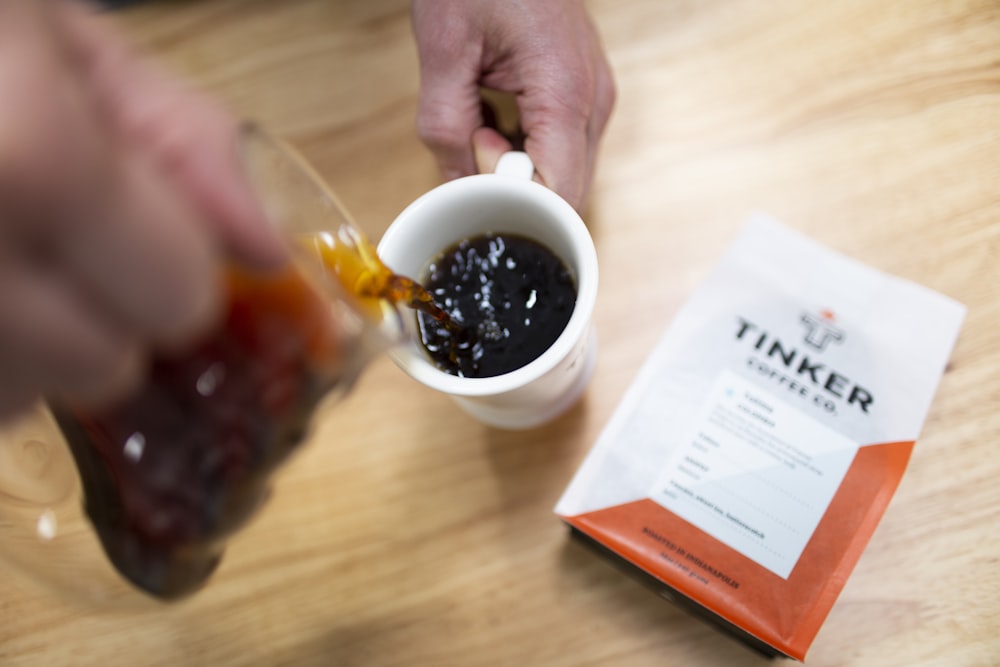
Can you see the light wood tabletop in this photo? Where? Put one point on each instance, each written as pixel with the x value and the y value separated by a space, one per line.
pixel 405 533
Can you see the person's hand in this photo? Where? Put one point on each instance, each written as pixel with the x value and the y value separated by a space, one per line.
pixel 120 193
pixel 546 52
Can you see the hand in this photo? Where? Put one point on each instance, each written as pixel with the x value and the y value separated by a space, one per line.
pixel 546 52
pixel 120 192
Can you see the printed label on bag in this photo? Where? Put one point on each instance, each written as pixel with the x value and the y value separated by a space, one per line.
pixel 755 473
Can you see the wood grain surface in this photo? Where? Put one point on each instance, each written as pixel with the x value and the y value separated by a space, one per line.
pixel 406 534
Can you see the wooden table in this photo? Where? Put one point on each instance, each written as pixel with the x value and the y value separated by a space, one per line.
pixel 407 534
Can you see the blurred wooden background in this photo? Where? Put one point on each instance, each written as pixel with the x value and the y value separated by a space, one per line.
pixel 407 534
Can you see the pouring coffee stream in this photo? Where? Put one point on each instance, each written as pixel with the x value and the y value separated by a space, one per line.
pixel 367 277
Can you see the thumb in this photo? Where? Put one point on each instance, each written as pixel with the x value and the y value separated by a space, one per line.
pixel 488 145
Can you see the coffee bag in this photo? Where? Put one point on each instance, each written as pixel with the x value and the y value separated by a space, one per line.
pixel 750 461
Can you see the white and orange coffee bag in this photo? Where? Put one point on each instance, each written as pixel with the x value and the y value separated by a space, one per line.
pixel 750 461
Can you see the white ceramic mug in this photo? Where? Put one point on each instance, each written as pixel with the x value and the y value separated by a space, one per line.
pixel 507 200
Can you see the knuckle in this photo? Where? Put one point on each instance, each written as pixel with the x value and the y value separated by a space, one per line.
pixel 435 129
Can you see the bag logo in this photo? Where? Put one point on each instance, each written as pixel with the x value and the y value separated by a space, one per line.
pixel 820 330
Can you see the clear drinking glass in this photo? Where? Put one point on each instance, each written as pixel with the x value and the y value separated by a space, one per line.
pixel 135 503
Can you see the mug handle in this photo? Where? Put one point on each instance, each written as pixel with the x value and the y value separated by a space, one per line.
pixel 515 164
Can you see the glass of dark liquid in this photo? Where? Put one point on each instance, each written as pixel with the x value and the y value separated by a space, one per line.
pixel 514 267
pixel 142 496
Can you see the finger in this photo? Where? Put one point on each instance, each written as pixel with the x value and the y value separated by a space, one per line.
pixel 447 115
pixel 53 344
pixel 605 96
pixel 449 105
pixel 196 146
pixel 565 110
pixel 142 255
pixel 557 141
pixel 192 140
pixel 48 136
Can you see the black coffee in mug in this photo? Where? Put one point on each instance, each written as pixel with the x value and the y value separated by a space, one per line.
pixel 509 298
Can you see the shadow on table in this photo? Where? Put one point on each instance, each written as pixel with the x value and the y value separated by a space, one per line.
pixel 646 618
